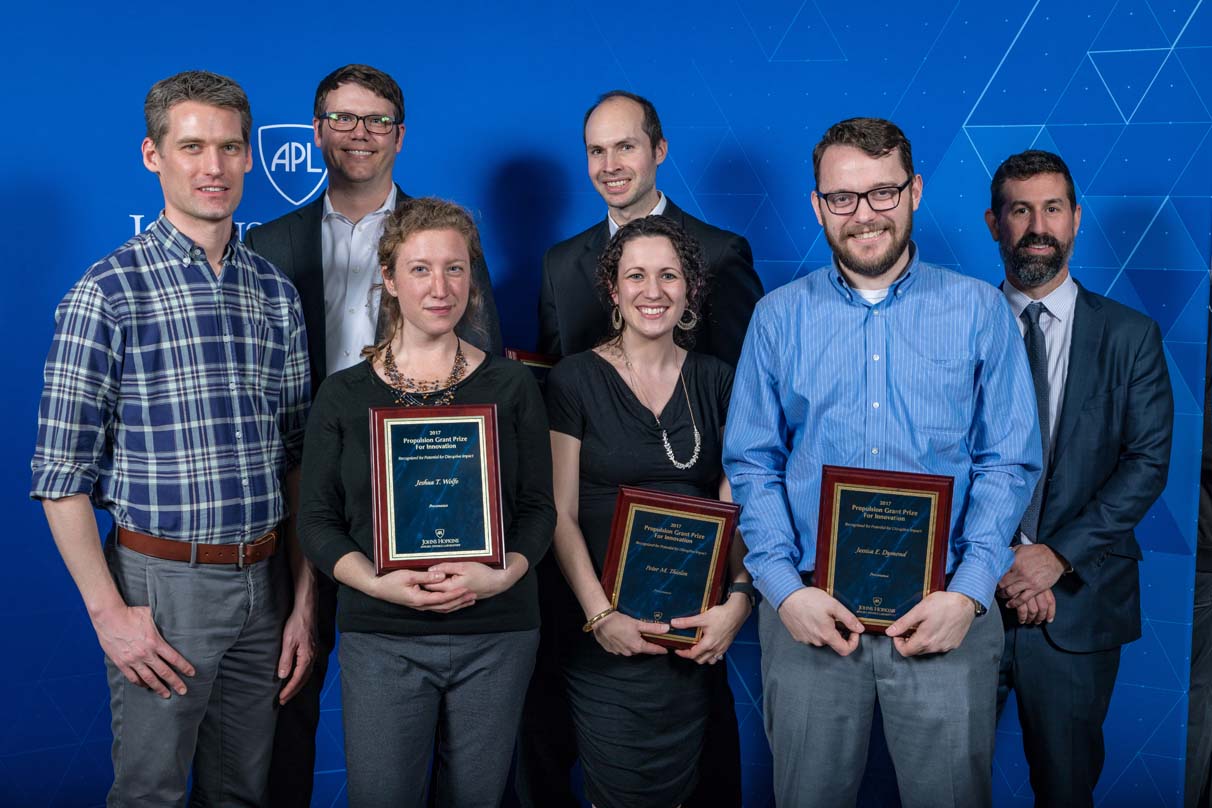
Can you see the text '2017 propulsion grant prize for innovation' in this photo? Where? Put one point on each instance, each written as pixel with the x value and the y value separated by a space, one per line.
pixel 881 542
pixel 667 557
pixel 436 488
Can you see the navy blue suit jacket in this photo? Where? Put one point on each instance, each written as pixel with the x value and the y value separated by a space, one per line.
pixel 1109 464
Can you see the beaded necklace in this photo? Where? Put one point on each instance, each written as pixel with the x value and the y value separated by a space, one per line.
pixel 698 441
pixel 413 393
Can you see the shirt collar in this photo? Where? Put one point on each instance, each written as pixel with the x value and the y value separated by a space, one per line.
pixel 181 246
pixel 389 204
pixel 898 287
pixel 1059 302
pixel 657 210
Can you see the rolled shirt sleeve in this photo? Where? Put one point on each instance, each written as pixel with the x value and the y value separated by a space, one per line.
pixel 79 392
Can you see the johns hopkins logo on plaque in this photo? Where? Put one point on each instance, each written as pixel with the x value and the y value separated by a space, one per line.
pixel 291 161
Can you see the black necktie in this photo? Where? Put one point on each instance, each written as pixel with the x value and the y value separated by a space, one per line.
pixel 1037 356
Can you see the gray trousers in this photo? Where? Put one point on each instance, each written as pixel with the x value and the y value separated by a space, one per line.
pixel 939 716
pixel 227 623
pixel 399 692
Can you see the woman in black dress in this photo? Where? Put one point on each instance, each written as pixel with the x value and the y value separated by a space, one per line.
pixel 450 648
pixel 639 410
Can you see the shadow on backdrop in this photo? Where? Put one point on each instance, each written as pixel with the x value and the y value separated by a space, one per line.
pixel 520 221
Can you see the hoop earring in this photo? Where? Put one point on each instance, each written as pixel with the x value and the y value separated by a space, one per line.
pixel 616 319
pixel 688 325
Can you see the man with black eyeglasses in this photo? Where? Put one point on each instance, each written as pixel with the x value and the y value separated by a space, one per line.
pixel 879 362
pixel 329 248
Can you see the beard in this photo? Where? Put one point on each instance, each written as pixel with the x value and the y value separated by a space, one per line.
pixel 1035 270
pixel 876 266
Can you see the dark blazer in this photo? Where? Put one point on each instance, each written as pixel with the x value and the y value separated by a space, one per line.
pixel 293 244
pixel 1110 462
pixel 573 317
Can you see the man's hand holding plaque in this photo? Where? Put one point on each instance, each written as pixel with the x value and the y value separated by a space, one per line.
pixel 882 550
pixel 936 625
pixel 814 617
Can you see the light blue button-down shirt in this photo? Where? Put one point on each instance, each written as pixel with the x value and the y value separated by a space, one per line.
pixel 933 379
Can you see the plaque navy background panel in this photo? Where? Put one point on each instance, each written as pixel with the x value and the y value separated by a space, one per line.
pixel 495 94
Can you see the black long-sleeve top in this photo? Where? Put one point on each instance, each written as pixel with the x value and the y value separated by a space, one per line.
pixel 335 516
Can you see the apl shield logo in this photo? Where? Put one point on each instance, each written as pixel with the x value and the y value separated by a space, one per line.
pixel 294 169
pixel 440 532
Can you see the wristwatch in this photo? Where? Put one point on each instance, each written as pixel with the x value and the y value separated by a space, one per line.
pixel 747 589
pixel 980 607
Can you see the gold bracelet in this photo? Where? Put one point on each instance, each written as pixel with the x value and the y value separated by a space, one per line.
pixel 597 618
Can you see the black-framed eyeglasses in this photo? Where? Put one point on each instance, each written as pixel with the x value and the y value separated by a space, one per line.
pixel 347 122
pixel 886 197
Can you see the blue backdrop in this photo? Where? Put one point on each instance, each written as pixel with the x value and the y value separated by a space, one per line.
pixel 495 94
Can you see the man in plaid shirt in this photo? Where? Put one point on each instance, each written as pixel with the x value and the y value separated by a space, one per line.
pixel 175 395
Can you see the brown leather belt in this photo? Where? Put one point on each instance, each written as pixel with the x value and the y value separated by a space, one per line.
pixel 193 552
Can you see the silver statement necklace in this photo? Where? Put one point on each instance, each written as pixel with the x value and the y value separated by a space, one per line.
pixel 698 440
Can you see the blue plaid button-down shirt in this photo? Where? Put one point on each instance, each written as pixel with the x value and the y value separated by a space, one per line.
pixel 175 398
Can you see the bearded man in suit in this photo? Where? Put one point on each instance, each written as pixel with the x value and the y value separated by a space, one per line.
pixel 1072 598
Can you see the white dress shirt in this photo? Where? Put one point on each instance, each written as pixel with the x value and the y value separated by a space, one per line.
pixel 351 270
pixel 1057 324
pixel 657 210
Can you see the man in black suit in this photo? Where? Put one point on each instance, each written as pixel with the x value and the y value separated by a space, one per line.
pixel 624 146
pixel 1072 598
pixel 329 249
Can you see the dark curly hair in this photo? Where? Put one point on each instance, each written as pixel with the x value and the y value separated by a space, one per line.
pixel 690 255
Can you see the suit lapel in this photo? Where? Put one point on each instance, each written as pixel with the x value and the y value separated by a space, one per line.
pixel 594 245
pixel 674 214
pixel 308 262
pixel 1082 380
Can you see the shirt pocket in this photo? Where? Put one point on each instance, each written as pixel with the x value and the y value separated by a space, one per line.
pixel 934 393
pixel 267 358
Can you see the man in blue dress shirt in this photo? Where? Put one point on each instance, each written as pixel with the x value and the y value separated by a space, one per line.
pixel 880 361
